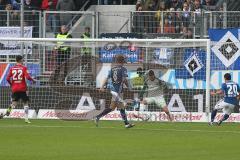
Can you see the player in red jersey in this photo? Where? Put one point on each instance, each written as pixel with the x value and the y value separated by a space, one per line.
pixel 16 77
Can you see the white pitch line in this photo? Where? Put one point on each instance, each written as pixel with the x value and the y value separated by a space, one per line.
pixel 144 129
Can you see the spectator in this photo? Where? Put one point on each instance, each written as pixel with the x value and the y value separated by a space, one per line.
pixel 14 16
pixel 197 7
pixel 209 2
pixel 139 6
pixel 158 16
pixel 168 26
pixel 149 18
pixel 178 23
pixel 138 19
pixel 156 4
pixel 197 11
pixel 209 5
pixel 190 4
pixel 16 4
pixel 3 15
pixel 50 5
pixel 186 14
pixel 186 7
pixel 65 5
pixel 86 35
pixel 8 9
pixel 186 33
pixel 149 5
pixel 37 4
pixel 3 4
pixel 86 51
pixel 168 4
pixel 171 19
pixel 63 53
pixel 31 17
pixel 176 4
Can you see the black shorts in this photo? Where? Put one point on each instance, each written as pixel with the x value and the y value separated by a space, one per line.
pixel 20 95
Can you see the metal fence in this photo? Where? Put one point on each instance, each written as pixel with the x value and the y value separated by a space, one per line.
pixel 11 18
pixel 150 24
pixel 76 21
pixel 175 24
pixel 180 24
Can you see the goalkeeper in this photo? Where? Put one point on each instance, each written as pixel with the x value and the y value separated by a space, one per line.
pixel 154 89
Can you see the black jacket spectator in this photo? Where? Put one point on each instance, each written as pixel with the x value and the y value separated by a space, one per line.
pixel 3 4
pixel 65 5
pixel 209 2
pixel 3 15
pixel 31 17
pixel 176 4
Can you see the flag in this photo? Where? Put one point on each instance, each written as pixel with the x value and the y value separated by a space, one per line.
pixel 225 49
pixel 194 65
pixel 162 56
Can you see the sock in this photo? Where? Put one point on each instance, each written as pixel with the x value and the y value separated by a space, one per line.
pixel 26 112
pixel 169 116
pixel 8 111
pixel 225 117
pixel 104 112
pixel 124 116
pixel 213 115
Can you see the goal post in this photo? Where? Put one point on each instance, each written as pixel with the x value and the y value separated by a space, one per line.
pixel 208 79
pixel 70 72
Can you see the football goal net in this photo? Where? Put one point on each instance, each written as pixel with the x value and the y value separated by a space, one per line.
pixel 177 73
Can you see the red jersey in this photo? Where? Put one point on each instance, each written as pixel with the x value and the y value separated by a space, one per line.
pixel 16 78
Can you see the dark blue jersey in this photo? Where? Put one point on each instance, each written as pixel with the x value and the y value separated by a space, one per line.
pixel 231 91
pixel 117 75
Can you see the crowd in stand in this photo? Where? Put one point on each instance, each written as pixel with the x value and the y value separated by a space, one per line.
pixel 171 16
pixel 31 16
pixel 37 5
pixel 193 5
pixel 31 6
pixel 70 5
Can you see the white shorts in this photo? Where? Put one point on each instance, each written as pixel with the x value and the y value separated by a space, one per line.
pixel 227 108
pixel 117 97
pixel 159 101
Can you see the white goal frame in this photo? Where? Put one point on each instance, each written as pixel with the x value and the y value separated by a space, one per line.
pixel 146 41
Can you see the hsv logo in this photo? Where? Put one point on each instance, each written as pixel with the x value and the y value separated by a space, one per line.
pixel 193 64
pixel 227 49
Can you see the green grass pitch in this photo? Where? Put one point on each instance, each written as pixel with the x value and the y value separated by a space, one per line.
pixel 81 140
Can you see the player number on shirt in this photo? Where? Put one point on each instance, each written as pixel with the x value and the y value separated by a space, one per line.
pixel 115 76
pixel 232 90
pixel 17 74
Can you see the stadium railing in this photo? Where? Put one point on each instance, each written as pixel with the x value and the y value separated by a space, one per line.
pixel 178 24
pixel 31 18
pixel 76 21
